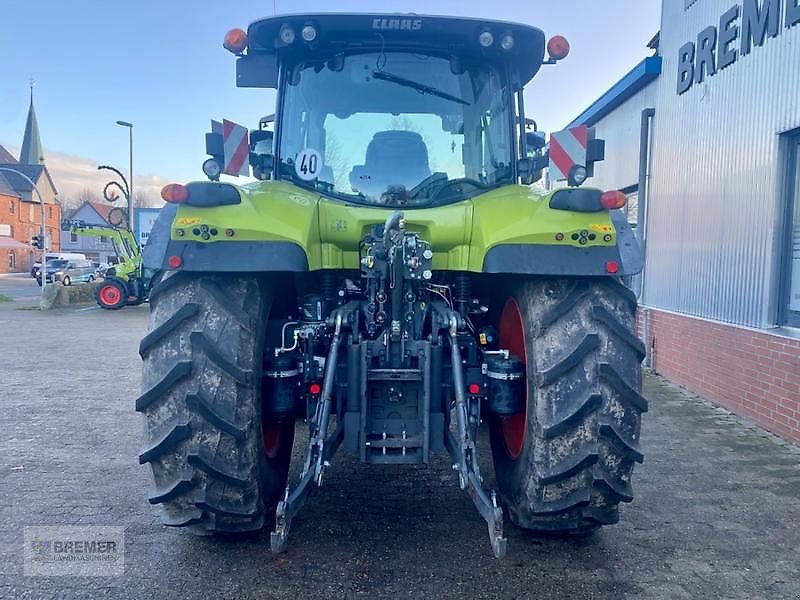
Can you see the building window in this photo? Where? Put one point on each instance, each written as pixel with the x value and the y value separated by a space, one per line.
pixel 73 238
pixel 103 239
pixel 790 314
pixel 11 207
pixel 49 212
pixel 12 260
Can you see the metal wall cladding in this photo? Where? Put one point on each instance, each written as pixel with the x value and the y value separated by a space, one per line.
pixel 716 201
pixel 620 129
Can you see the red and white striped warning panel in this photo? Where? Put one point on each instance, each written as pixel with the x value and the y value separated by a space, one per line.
pixel 235 139
pixel 567 149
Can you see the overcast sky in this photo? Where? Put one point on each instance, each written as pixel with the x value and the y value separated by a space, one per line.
pixel 160 64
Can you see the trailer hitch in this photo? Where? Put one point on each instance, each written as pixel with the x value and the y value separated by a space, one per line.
pixel 464 453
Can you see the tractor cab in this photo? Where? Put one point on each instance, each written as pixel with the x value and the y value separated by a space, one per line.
pixel 394 110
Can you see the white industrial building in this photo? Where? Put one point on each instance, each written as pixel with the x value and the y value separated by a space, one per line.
pixel 705 134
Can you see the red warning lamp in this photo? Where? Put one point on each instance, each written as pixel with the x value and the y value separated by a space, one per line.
pixel 612 267
pixel 558 47
pixel 235 41
pixel 314 389
pixel 175 193
pixel 175 262
pixel 474 389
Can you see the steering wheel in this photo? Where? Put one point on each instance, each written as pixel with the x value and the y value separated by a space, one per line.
pixel 432 180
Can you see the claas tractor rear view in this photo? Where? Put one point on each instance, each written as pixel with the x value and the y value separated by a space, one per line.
pixel 393 281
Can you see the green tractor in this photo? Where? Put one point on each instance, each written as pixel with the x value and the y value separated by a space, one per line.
pixel 126 283
pixel 394 281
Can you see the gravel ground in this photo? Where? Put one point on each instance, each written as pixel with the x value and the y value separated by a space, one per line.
pixel 716 513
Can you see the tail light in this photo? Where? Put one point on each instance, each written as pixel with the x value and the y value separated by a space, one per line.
pixel 175 193
pixel 613 199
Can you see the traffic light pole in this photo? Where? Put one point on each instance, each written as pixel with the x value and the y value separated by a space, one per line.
pixel 43 270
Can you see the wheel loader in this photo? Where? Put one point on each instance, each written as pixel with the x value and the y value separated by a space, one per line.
pixel 126 283
pixel 393 281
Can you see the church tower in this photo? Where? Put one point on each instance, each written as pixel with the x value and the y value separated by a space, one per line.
pixel 31 152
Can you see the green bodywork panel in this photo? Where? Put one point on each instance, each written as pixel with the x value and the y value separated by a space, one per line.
pixel 329 230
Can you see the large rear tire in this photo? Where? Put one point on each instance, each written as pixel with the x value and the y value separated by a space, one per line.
pixel 565 463
pixel 201 399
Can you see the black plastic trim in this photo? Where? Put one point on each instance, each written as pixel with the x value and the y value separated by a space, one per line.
pixel 577 199
pixel 212 193
pixel 237 256
pixel 538 259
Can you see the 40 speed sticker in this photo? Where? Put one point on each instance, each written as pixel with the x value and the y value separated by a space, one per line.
pixel 308 164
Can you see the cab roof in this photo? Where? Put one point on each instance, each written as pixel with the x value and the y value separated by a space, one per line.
pixel 458 36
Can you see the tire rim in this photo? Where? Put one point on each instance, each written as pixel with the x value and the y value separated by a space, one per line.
pixel 512 337
pixel 110 295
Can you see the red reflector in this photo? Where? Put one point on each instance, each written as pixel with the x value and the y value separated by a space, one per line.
pixel 314 389
pixel 558 47
pixel 613 199
pixel 235 41
pixel 175 193
pixel 474 388
pixel 612 266
pixel 175 262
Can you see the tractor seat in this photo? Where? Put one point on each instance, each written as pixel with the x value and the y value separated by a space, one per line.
pixel 393 158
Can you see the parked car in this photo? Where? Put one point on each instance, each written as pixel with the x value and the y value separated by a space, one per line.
pixel 56 256
pixel 68 271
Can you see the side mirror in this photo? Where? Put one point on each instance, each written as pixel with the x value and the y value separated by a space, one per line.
pixel 534 141
pixel 261 141
pixel 261 158
pixel 531 165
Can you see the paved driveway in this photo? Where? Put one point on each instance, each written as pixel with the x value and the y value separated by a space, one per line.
pixel 717 513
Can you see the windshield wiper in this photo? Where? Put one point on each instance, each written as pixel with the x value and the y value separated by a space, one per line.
pixel 420 87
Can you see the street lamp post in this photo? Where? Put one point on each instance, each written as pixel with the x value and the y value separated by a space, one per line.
pixel 131 217
pixel 43 269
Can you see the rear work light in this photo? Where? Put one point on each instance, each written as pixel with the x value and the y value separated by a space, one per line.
pixel 613 199
pixel 286 34
pixel 175 193
pixel 486 38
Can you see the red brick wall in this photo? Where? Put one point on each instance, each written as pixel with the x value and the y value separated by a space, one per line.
pixel 752 373
pixel 17 213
